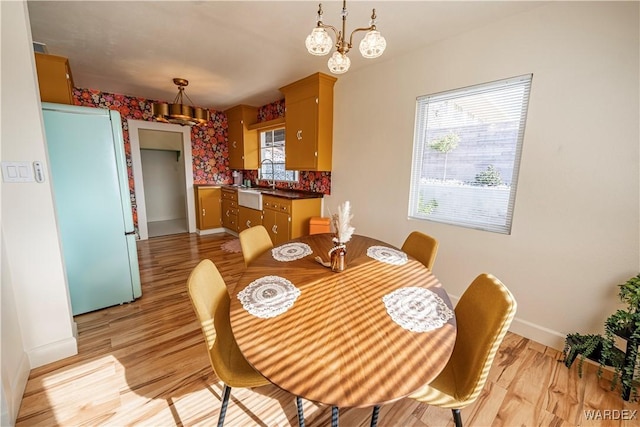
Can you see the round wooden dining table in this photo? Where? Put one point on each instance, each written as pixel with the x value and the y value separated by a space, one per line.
pixel 337 343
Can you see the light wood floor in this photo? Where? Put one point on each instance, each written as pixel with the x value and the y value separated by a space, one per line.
pixel 145 363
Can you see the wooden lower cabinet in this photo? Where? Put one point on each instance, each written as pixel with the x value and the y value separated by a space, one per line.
pixel 248 218
pixel 287 219
pixel 230 209
pixel 207 207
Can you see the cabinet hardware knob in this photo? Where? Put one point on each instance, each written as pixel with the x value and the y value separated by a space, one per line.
pixel 248 224
pixel 234 144
pixel 274 229
pixel 204 212
pixel 227 213
pixel 299 135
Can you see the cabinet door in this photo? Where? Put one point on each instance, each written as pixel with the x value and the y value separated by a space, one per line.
pixel 248 218
pixel 269 222
pixel 301 134
pixel 54 79
pixel 236 145
pixel 209 208
pixel 230 214
pixel 243 143
pixel 277 224
pixel 282 232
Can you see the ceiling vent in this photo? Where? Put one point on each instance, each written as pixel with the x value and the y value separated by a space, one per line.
pixel 40 47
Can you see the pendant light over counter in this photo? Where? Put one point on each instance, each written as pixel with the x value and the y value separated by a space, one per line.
pixel 178 112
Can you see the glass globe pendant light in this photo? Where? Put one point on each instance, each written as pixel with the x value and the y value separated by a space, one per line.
pixel 319 42
pixel 373 44
pixel 339 63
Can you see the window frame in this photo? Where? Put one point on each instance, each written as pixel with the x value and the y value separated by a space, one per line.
pixel 423 210
pixel 264 169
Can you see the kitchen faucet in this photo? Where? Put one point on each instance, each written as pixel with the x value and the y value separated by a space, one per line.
pixel 273 173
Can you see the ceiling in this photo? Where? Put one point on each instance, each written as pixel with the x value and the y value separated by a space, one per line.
pixel 232 52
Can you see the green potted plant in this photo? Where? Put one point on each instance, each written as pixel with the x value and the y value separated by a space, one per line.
pixel 602 349
pixel 625 324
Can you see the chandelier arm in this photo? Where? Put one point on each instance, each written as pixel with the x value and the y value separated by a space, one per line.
pixel 192 104
pixel 178 98
pixel 335 30
pixel 371 27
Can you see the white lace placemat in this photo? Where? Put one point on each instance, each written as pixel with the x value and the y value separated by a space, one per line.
pixel 268 296
pixel 291 251
pixel 387 255
pixel 417 309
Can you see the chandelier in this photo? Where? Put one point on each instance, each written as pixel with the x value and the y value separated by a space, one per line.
pixel 319 43
pixel 177 112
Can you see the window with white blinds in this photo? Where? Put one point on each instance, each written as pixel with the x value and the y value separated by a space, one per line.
pixel 466 154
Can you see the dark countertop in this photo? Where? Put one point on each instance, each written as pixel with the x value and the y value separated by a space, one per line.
pixel 286 194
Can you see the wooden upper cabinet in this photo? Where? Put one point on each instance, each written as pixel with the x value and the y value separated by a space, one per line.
pixel 243 142
pixel 309 123
pixel 54 79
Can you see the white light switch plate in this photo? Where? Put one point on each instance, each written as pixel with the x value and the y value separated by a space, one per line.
pixel 17 172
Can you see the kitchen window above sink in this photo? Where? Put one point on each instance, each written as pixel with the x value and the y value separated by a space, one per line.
pixel 272 156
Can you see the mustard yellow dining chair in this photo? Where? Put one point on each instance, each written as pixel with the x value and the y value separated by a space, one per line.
pixel 210 299
pixel 422 247
pixel 483 315
pixel 254 242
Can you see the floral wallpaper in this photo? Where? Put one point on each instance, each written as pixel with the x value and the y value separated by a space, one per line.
pixel 271 111
pixel 209 145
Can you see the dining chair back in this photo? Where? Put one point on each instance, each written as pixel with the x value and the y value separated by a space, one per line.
pixel 210 300
pixel 254 242
pixel 483 316
pixel 422 247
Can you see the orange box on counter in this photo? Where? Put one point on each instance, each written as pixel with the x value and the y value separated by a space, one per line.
pixel 319 225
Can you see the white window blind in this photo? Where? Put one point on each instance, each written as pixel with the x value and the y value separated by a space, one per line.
pixel 272 149
pixel 466 154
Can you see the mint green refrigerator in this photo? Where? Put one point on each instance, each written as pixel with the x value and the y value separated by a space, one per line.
pixel 93 206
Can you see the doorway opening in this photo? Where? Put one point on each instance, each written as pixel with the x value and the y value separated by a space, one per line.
pixel 163 178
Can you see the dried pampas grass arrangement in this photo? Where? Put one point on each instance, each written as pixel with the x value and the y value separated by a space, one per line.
pixel 342 223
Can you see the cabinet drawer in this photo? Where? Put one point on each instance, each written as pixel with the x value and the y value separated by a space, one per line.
pixel 285 206
pixel 229 195
pixel 276 204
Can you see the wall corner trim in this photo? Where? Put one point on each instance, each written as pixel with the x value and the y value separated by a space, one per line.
pixel 52 352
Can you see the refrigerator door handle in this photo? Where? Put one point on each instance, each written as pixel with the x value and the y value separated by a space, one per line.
pixel 129 233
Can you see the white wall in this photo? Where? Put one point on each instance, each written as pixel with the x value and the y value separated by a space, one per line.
pixel 576 224
pixel 35 300
pixel 164 187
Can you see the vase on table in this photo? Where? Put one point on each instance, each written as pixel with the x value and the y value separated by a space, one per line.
pixel 337 255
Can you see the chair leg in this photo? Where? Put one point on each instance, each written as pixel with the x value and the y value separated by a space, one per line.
pixel 374 416
pixel 226 391
pixel 300 411
pixel 457 419
pixel 334 416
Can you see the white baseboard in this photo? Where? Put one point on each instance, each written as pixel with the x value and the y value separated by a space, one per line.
pixel 210 231
pixel 13 396
pixel 548 337
pixel 52 352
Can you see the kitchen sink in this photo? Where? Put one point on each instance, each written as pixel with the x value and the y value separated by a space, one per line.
pixel 250 198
